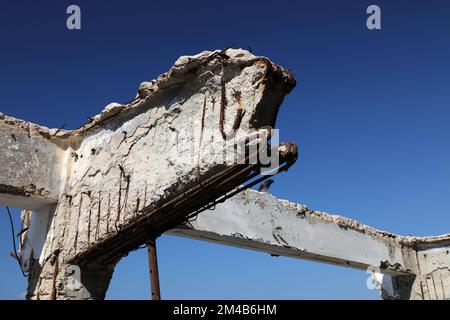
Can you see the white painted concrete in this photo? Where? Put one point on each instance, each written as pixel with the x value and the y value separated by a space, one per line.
pixel 259 221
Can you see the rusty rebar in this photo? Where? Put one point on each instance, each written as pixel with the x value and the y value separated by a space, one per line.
pixel 153 268
pixel 157 219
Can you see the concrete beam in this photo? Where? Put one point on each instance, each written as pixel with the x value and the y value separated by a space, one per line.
pixel 32 240
pixel 403 267
pixel 259 221
pixel 32 160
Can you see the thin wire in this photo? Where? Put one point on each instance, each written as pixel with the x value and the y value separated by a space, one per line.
pixel 14 242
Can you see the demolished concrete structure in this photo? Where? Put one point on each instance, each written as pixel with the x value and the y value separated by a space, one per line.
pixel 135 170
pixel 142 168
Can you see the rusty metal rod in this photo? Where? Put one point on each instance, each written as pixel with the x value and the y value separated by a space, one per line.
pixel 158 219
pixel 153 268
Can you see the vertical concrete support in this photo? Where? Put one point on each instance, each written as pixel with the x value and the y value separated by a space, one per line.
pixel 433 262
pixel 56 279
pixel 32 159
pixel 36 225
pixel 432 273
pixel 52 277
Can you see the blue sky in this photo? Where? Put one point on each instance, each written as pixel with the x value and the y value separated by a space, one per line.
pixel 370 114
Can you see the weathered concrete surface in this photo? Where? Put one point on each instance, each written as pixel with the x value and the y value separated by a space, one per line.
pixel 111 177
pixel 32 161
pixel 257 220
pixel 413 268
pixel 93 192
pixel 433 279
pixel 32 240
pixel 432 276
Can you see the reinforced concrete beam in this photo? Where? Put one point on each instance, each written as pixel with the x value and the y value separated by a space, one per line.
pixel 259 221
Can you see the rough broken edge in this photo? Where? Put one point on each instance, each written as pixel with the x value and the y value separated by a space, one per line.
pixel 180 72
pixel 416 243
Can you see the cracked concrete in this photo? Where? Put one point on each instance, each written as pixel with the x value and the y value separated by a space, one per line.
pixel 280 227
pixel 409 267
pixel 110 178
pixel 94 193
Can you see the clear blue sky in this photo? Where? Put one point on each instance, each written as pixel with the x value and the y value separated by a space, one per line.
pixel 370 115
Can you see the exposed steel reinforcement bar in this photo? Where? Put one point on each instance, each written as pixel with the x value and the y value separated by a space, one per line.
pixel 172 212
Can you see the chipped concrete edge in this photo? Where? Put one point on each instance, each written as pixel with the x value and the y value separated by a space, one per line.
pixel 179 73
pixel 413 242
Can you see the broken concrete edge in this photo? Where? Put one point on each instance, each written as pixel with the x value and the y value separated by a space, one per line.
pixel 60 140
pixel 260 221
pixel 401 267
pixel 416 243
pixel 30 128
pixel 26 191
pixel 184 69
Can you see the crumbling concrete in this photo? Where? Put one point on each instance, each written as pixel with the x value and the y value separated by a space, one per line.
pixel 260 221
pixel 139 169
pixel 411 267
pixel 433 277
pixel 136 168
pixel 32 164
